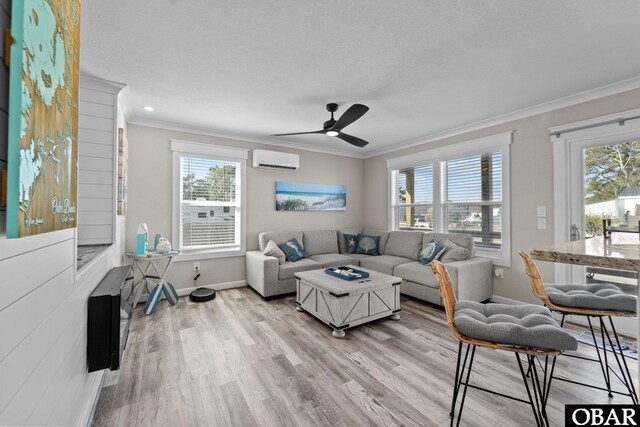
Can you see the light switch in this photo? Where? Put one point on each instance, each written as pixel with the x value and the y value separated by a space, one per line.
pixel 542 212
pixel 542 223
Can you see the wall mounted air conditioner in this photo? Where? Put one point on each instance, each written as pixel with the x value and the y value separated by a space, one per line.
pixel 275 160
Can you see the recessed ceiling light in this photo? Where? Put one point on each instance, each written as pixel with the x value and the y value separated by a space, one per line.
pixel 148 108
pixel 332 133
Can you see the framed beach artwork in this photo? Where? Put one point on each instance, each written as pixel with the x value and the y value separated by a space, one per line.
pixel 43 117
pixel 292 196
pixel 123 161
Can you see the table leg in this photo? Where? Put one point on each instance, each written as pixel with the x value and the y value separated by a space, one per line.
pixel 339 334
pixel 153 300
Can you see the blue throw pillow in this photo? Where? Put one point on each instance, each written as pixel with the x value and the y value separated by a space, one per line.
pixel 431 252
pixel 352 242
pixel 368 245
pixel 293 250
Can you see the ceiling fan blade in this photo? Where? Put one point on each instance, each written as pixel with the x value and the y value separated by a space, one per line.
pixel 351 115
pixel 297 133
pixel 352 140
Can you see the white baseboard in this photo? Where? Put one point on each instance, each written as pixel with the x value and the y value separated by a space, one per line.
pixel 89 410
pixel 504 300
pixel 217 286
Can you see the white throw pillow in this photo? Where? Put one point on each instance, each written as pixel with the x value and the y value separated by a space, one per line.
pixel 453 252
pixel 272 249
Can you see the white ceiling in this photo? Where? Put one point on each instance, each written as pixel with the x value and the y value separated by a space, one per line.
pixel 253 68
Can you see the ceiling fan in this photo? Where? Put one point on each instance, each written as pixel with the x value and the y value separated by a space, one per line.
pixel 333 127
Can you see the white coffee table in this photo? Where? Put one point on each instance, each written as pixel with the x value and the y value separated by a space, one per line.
pixel 343 304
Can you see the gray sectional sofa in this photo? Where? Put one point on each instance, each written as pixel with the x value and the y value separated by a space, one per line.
pixel 472 277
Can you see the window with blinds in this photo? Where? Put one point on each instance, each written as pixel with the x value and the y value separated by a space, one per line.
pixel 209 206
pixel 473 202
pixel 413 200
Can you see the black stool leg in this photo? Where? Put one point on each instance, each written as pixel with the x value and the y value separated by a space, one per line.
pixel 604 365
pixel 536 414
pixel 626 379
pixel 466 384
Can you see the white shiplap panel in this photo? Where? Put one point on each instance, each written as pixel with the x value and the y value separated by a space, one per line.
pixel 96 191
pixel 95 123
pixel 96 241
pixel 27 272
pixel 96 137
pixel 96 96
pixel 29 370
pixel 16 323
pixel 106 151
pixel 95 164
pixel 95 218
pixel 95 232
pixel 94 204
pixel 10 248
pixel 91 177
pixel 5 22
pixel 4 135
pixel 88 108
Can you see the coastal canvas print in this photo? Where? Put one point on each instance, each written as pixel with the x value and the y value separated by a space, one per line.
pixel 43 117
pixel 292 196
pixel 123 161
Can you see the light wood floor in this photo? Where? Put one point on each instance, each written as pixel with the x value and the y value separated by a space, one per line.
pixel 241 361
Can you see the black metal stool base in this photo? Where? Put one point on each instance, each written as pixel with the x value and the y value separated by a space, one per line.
pixel 537 390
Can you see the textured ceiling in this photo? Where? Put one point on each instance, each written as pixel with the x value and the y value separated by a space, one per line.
pixel 254 68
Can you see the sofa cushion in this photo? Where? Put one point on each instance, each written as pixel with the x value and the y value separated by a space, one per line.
pixel 279 237
pixel 423 275
pixel 384 236
pixel 342 244
pixel 405 244
pixel 523 325
pixel 288 269
pixel 453 252
pixel 430 252
pixel 464 240
pixel 334 260
pixel 318 242
pixel 368 245
pixel 273 250
pixel 383 263
pixel 596 296
pixel 359 257
pixel 293 250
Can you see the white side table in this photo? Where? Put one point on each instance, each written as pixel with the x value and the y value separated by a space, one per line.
pixel 145 265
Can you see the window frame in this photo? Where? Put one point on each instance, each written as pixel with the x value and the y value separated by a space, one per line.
pixel 437 156
pixel 212 152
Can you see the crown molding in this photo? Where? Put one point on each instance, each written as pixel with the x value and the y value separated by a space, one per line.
pixel 545 107
pixel 161 124
pixel 102 85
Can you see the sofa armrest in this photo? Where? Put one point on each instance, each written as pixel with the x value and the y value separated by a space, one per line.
pixel 262 273
pixel 475 278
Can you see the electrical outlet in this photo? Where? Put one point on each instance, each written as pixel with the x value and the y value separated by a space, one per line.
pixel 499 272
pixel 542 223
pixel 196 266
pixel 542 211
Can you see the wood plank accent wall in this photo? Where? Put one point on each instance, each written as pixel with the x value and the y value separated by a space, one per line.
pixel 5 21
pixel 43 309
pixel 97 157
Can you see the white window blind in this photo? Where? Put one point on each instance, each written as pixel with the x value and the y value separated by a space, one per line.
pixel 413 200
pixel 474 198
pixel 208 203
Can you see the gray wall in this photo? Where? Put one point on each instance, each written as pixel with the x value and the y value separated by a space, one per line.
pixel 150 197
pixel 531 181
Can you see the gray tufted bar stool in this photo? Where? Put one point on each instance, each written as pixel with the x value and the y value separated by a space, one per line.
pixel 600 301
pixel 528 331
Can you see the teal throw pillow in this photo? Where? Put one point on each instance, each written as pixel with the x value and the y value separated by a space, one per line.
pixel 431 252
pixel 368 245
pixel 352 242
pixel 293 250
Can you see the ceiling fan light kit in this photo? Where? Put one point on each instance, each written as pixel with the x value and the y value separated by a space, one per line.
pixel 333 127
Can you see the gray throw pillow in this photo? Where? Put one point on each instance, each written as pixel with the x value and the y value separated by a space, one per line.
pixel 453 252
pixel 272 249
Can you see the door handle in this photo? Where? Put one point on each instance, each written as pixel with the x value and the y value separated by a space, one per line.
pixel 574 233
